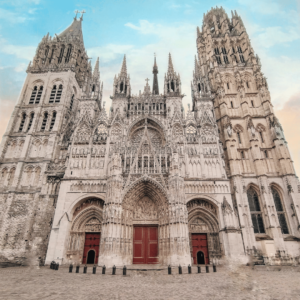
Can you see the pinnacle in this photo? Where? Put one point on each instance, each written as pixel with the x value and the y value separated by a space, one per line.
pixel 96 69
pixel 124 67
pixel 170 67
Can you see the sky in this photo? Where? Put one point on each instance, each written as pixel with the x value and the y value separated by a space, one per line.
pixel 139 28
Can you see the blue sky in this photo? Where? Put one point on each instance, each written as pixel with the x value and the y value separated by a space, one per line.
pixel 140 28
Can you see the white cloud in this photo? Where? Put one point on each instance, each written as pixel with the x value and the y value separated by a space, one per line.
pixel 23 52
pixel 11 17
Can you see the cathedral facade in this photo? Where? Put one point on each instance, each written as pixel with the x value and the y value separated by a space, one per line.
pixel 148 183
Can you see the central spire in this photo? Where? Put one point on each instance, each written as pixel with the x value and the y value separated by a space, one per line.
pixel 155 90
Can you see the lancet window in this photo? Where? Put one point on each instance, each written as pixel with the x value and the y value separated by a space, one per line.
pixel 22 122
pixel 52 121
pixel 280 211
pixel 30 121
pixel 68 54
pixel 44 123
pixel 225 57
pixel 256 214
pixel 61 54
pixel 241 54
pixel 217 54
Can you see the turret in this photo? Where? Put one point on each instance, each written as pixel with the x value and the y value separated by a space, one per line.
pixel 122 82
pixel 172 81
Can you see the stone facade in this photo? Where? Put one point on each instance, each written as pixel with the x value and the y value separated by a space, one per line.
pixel 223 169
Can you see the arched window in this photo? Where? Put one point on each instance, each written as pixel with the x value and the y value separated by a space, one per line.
pixel 30 121
pixel 61 54
pixel 71 102
pixel 199 87
pixel 3 176
pixel 56 94
pixel 255 211
pixel 68 54
pixel 280 211
pixel 51 56
pixel 22 122
pixel 242 155
pixel 44 123
pixel 121 87
pixel 225 57
pixel 172 86
pixel 52 121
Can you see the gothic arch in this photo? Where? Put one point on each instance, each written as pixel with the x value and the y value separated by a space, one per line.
pixel 160 126
pixel 81 199
pixel 238 128
pixel 57 81
pixel 260 127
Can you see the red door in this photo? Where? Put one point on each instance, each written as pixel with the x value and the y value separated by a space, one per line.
pixel 145 245
pixel 92 242
pixel 200 249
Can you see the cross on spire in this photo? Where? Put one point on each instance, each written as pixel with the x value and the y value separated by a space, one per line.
pixel 82 12
pixel 147 80
pixel 76 12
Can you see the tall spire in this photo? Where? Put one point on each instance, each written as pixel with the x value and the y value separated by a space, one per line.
pixel 170 66
pixel 124 67
pixel 155 90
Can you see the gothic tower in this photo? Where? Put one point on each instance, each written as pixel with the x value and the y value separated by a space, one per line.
pixel 258 162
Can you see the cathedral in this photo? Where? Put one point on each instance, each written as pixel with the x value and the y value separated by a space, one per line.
pixel 148 182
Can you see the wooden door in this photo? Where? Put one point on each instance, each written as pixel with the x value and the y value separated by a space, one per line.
pixel 199 243
pixel 92 242
pixel 145 245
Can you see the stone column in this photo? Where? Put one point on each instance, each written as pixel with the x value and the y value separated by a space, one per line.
pixel 110 245
pixel 178 228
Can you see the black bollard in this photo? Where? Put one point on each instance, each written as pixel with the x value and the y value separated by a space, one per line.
pixel 169 270
pixel 190 269
pixel 114 270
pixel 103 269
pixel 207 269
pixel 51 265
pixel 77 269
pixel 214 268
pixel 179 269
pixel 94 269
pixel 124 270
pixel 84 269
pixel 71 268
pixel 199 269
pixel 56 266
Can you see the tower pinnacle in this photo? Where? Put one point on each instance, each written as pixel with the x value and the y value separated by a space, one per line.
pixel 155 89
pixel 124 67
pixel 170 66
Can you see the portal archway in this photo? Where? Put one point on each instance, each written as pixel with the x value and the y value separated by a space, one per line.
pixel 145 214
pixel 203 230
pixel 91 257
pixel 85 230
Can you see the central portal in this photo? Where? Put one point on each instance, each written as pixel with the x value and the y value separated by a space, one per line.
pixel 145 245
